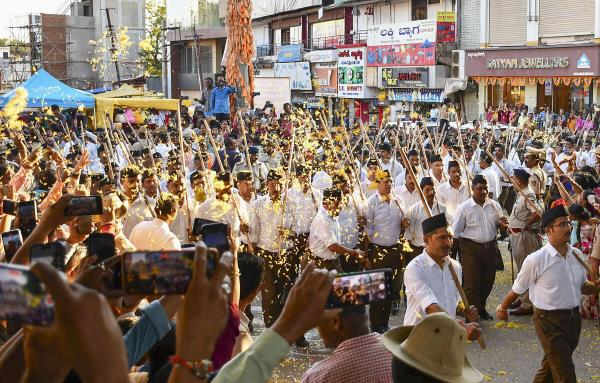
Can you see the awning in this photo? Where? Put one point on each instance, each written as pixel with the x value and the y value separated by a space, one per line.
pixel 106 106
pixel 522 81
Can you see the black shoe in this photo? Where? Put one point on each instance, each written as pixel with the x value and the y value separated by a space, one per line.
pixel 483 314
pixel 395 307
pixel 301 343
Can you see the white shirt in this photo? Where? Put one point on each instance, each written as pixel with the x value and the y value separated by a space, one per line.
pixel 183 222
pixel 393 166
pixel 554 281
pixel 508 167
pixel 383 220
pixel 153 236
pixel 324 232
pixel 475 222
pixel 304 208
pixel 416 215
pixel 321 181
pixel 265 218
pixel 437 182
pixel 349 234
pixel 426 283
pixel 140 210
pixel 366 188
pixel 451 197
pixel 408 198
pixel 219 211
pixel 493 181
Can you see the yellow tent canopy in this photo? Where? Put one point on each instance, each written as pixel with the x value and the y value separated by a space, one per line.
pixel 106 106
pixel 127 90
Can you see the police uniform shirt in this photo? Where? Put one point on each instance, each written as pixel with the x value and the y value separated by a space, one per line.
pixel 523 211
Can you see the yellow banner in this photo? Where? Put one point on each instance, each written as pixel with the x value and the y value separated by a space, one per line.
pixel 446 16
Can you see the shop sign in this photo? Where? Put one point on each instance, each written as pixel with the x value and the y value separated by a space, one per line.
pixel 290 53
pixel 583 62
pixel 326 75
pixel 446 26
pixel 410 32
pixel 547 88
pixel 401 55
pixel 298 73
pixel 416 95
pixel 321 56
pixel 405 77
pixel 351 68
pixel 528 63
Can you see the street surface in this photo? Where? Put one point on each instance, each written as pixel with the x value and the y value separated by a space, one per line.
pixel 513 353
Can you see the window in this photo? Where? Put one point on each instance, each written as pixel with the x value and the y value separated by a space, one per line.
pixel 5 55
pixel 419 9
pixel 325 33
pixel 188 59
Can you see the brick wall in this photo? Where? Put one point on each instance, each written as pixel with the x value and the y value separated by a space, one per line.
pixel 470 25
pixel 54 45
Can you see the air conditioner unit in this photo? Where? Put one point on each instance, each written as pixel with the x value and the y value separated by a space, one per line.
pixel 458 64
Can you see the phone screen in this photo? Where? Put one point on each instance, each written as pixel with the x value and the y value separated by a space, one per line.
pixel 23 297
pixel 11 240
pixel 9 207
pixel 88 205
pixel 27 216
pixel 157 272
pixel 52 253
pixel 102 245
pixel 215 235
pixel 361 288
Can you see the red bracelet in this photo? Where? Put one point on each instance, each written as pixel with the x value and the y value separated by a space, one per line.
pixel 199 368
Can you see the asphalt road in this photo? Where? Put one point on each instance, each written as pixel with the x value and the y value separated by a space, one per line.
pixel 513 353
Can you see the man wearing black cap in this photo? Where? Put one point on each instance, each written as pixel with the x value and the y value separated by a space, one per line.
pixel 413 159
pixel 259 169
pixel 436 172
pixel 490 175
pixel 476 224
pixel 556 280
pixel 523 241
pixel 387 162
pixel 454 191
pixel 507 193
pixel 532 159
pixel 429 284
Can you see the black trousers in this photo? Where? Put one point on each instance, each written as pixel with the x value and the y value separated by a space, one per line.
pixel 385 257
pixel 275 285
pixel 507 198
pixel 478 261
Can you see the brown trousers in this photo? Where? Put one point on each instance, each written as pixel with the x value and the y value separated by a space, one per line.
pixel 275 286
pixel 385 257
pixel 479 270
pixel 558 332
pixel 298 255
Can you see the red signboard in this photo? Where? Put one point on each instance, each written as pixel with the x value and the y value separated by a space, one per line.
pixel 401 55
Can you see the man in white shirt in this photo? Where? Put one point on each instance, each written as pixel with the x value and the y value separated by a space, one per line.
pixel 472 161
pixel 428 280
pixel 454 191
pixel 155 235
pixel 385 222
pixel 368 186
pixel 436 171
pixel 259 169
pixel 324 240
pixel 138 206
pixel 220 207
pixel 556 280
pixel 491 177
pixel 408 192
pixel 413 159
pixel 507 193
pixel 476 224
pixel 269 232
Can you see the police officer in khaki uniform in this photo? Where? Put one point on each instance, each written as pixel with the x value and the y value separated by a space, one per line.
pixel 523 239
pixel 537 181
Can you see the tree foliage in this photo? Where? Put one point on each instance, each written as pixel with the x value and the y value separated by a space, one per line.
pixel 150 49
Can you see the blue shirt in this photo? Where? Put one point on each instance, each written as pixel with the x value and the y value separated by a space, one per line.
pixel 219 99
pixel 149 329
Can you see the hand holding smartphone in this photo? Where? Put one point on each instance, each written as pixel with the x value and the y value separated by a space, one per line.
pixel 84 205
pixel 12 241
pixel 53 253
pixel 27 214
pixel 23 297
pixel 361 288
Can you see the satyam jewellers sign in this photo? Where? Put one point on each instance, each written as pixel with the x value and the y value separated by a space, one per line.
pixel 535 62
pixel 528 63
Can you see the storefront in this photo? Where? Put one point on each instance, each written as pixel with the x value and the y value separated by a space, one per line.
pixel 558 77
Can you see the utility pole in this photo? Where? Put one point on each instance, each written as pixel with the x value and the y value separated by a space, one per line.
pixel 164 66
pixel 113 49
pixel 199 64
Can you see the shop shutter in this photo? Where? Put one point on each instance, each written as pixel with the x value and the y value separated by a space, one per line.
pixel 508 22
pixel 566 17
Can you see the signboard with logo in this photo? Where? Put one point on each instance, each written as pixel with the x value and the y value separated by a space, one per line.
pixel 298 73
pixel 535 62
pixel 351 68
pixel 290 53
pixel 321 56
pixel 404 77
pixel 416 95
pixel 446 26
pixel 401 55
pixel 410 32
pixel 326 75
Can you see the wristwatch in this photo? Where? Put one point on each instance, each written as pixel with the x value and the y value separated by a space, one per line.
pixel 199 368
pixel 499 308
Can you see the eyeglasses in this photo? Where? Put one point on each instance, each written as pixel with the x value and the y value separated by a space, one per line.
pixel 563 224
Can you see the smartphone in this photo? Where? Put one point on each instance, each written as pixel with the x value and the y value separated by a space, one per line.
pixel 11 240
pixel 361 288
pixel 53 253
pixel 23 297
pixel 157 272
pixel 27 213
pixel 102 245
pixel 198 223
pixel 215 235
pixel 9 207
pixel 85 205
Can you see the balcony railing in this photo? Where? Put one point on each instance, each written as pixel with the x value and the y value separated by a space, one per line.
pixel 327 42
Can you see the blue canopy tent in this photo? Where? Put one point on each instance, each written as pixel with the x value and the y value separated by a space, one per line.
pixel 45 90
